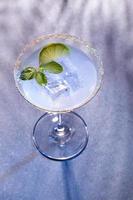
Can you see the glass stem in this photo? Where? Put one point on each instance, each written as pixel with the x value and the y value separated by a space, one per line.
pixel 61 133
pixel 59 119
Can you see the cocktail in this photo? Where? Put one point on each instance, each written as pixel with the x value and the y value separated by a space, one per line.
pixel 57 74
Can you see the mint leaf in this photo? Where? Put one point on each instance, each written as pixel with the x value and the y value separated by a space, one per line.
pixel 52 52
pixel 41 68
pixel 53 67
pixel 41 78
pixel 28 73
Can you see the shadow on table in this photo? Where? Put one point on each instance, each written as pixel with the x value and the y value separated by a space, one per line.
pixel 71 188
pixel 13 169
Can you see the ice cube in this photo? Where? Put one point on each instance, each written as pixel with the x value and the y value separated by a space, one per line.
pixel 58 87
pixel 72 79
pixel 63 83
pixel 70 74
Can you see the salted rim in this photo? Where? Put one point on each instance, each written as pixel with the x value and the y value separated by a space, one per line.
pixel 100 70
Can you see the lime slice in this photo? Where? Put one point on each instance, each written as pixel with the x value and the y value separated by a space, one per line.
pixel 52 52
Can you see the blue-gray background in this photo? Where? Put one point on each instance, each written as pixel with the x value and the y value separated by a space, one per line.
pixel 104 171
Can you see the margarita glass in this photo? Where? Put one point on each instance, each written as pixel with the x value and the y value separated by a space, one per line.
pixel 60 134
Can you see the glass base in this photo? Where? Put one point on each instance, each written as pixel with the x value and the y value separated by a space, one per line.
pixel 60 136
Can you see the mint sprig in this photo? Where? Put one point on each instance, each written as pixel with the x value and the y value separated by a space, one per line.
pixel 39 73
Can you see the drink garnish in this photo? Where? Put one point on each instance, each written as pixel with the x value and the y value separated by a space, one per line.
pixel 47 57
pixel 52 52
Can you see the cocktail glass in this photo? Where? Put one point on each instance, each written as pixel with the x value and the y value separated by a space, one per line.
pixel 61 134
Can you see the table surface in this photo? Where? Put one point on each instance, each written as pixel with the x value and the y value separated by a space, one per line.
pixel 104 171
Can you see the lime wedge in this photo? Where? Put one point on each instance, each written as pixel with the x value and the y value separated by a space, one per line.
pixel 52 52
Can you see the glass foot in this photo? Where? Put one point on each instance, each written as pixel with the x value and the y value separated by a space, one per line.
pixel 60 136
